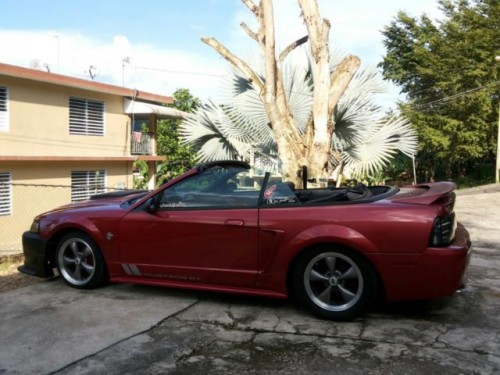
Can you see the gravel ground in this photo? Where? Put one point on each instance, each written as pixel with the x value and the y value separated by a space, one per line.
pixel 10 277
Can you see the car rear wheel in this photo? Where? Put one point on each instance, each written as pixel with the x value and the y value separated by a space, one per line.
pixel 334 284
pixel 80 262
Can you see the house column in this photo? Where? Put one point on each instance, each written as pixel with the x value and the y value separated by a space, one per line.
pixel 151 175
pixel 153 128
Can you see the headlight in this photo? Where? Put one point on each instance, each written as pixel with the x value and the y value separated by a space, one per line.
pixel 35 226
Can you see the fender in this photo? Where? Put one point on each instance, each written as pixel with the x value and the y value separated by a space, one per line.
pixel 284 250
pixel 83 224
pixel 88 226
pixel 331 233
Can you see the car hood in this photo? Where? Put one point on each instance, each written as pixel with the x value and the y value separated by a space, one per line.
pixel 120 201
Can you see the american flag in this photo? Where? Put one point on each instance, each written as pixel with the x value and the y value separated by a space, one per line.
pixel 137 136
pixel 268 193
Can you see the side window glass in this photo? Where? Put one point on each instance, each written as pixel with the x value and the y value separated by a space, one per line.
pixel 279 192
pixel 215 188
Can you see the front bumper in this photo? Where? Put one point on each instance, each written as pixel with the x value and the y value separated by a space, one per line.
pixel 36 257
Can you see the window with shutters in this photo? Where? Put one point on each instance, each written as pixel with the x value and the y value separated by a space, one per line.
pixel 5 194
pixel 86 117
pixel 85 184
pixel 4 109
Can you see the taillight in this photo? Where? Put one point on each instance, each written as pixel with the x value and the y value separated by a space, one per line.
pixel 443 231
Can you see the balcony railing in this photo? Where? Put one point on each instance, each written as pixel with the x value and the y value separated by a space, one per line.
pixel 141 143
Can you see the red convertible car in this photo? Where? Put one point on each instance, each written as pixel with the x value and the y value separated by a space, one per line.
pixel 223 226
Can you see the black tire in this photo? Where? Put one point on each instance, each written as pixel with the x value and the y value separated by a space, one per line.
pixel 80 262
pixel 334 284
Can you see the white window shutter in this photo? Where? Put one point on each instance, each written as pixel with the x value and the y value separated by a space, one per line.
pixel 86 117
pixel 5 194
pixel 4 109
pixel 85 184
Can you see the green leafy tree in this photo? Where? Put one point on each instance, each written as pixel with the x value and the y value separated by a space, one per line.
pixel 447 70
pixel 180 157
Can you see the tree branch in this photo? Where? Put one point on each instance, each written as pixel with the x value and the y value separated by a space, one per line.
pixel 266 20
pixel 340 79
pixel 235 61
pixel 249 32
pixel 251 6
pixel 291 47
pixel 318 28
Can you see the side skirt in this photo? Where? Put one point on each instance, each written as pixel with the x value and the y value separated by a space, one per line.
pixel 197 286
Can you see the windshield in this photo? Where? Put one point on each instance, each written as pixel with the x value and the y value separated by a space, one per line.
pixel 220 186
pixel 230 185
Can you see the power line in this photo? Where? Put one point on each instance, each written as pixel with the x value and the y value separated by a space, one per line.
pixel 449 98
pixel 177 71
pixel 443 101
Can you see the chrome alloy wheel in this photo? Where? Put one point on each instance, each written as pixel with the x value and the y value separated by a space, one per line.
pixel 77 262
pixel 333 281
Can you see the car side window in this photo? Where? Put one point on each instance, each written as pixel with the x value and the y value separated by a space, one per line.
pixel 279 192
pixel 215 188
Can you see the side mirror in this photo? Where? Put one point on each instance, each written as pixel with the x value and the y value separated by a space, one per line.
pixel 152 204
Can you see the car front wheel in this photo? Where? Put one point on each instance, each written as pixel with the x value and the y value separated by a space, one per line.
pixel 334 284
pixel 80 262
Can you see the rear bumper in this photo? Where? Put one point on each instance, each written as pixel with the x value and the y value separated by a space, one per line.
pixel 435 273
pixel 36 259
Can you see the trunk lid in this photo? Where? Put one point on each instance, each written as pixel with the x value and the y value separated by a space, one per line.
pixel 425 194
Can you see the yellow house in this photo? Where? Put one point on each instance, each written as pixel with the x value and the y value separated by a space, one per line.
pixel 64 139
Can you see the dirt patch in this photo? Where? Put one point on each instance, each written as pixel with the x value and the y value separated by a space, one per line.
pixel 10 277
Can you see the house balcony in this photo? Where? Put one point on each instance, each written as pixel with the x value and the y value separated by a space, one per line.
pixel 142 143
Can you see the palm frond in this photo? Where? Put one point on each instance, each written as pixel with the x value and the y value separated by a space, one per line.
pixel 213 134
pixel 379 144
pixel 244 106
pixel 356 107
pixel 299 91
pixel 239 127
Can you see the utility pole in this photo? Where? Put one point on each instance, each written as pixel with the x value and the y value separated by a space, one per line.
pixel 125 61
pixel 58 52
pixel 497 166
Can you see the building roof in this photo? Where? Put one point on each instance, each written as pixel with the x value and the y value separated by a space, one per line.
pixel 34 158
pixel 135 107
pixel 62 80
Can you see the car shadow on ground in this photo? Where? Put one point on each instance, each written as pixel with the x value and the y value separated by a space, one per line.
pixel 432 310
pixel 455 308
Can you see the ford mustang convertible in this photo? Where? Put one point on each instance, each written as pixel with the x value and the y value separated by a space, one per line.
pixel 226 227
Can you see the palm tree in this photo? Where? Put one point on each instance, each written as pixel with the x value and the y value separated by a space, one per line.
pixel 365 139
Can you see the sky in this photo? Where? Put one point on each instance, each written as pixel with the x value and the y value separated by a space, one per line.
pixel 155 46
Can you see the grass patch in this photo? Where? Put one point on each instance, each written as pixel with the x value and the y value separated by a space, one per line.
pixel 9 264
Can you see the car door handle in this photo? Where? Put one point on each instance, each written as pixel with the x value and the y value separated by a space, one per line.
pixel 235 222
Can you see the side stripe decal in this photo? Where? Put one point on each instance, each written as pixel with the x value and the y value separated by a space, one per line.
pixel 135 270
pixel 131 269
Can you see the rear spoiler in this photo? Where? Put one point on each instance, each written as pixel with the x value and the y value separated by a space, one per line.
pixel 424 193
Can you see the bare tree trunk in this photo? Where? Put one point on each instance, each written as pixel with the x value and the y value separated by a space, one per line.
pixel 294 150
pixel 274 98
pixel 328 89
pixel 318 143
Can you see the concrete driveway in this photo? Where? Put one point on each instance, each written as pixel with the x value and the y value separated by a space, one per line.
pixel 126 329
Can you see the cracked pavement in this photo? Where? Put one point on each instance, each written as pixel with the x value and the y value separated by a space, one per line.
pixel 127 329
